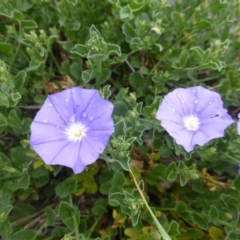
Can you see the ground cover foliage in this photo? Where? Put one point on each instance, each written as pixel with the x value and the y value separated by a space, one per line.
pixel 134 53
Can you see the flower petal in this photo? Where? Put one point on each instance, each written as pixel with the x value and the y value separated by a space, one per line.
pixel 180 134
pixel 63 104
pixel 208 103
pixel 63 153
pixel 194 103
pixel 49 115
pixel 214 127
pixel 72 109
pixel 43 133
pixel 49 150
pixel 82 99
pixel 178 103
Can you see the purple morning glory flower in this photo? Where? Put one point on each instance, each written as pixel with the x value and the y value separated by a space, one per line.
pixel 72 128
pixel 193 116
pixel 238 124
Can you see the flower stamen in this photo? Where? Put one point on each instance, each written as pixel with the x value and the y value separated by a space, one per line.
pixel 191 122
pixel 76 131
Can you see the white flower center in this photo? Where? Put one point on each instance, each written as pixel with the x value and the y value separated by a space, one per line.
pixel 76 131
pixel 191 123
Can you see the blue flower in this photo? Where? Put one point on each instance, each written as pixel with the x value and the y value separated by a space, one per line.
pixel 72 128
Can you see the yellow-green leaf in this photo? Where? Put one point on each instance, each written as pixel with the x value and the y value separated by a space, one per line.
pixel 216 233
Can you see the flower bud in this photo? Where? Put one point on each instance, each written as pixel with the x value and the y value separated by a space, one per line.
pixel 155 31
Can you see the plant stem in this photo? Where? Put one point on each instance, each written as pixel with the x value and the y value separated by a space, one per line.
pixel 54 60
pixel 40 229
pixel 18 47
pixel 93 227
pixel 161 230
pixel 74 220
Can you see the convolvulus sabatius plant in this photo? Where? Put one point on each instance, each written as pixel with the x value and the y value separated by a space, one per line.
pixel 119 119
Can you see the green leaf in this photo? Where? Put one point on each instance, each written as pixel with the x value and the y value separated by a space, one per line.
pixel 21 182
pixel 13 119
pixel 5 88
pixel 50 40
pixel 118 181
pixel 104 75
pixel 183 180
pixel 3 120
pixel 124 162
pixel 4 160
pixel 231 236
pixel 50 218
pixel 99 207
pixel 65 67
pixel 39 99
pixel 27 234
pixel 58 232
pixel 195 233
pixel 181 60
pixel 67 213
pixel 6 10
pixel 158 172
pixel 19 156
pixel 19 80
pixel 80 50
pixel 6 47
pixel 43 180
pixel 121 58
pixel 18 15
pixel 73 2
pixel 116 199
pixel 183 57
pixel 5 230
pixel 105 92
pixel 76 70
pixel 105 187
pixel 217 65
pixel 135 80
pixel 126 13
pixel 87 75
pixel 92 30
pixel 181 207
pixel 5 211
pixel 173 229
pixel 15 97
pixel 144 70
pixel 4 100
pixel 171 172
pixel 135 218
pixel 128 31
pixel 148 110
pixel 22 209
pixel 66 187
pixel 120 109
pixel 200 221
pixel 203 24
pixel 165 151
pixel 137 43
pixel 113 49
pixel 29 24
pixel 34 64
pixel 213 213
pixel 198 53
pixel 137 5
